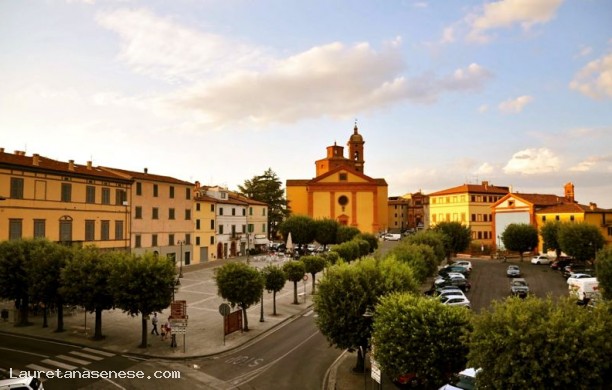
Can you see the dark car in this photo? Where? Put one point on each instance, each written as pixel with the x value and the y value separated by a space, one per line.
pixel 519 287
pixel 463 284
pixel 454 268
pixel 575 268
pixel 559 264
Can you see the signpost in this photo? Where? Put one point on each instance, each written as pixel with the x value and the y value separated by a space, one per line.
pixel 231 321
pixel 178 321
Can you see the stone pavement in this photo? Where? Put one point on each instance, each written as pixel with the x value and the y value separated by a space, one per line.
pixel 205 325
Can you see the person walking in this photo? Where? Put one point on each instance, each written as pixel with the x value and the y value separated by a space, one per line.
pixel 154 322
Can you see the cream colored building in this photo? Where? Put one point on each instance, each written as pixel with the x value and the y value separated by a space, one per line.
pixel 205 227
pixel 64 202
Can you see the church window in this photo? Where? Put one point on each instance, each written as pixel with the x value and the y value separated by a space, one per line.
pixel 342 176
pixel 343 200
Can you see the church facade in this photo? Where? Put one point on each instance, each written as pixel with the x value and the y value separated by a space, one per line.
pixel 341 190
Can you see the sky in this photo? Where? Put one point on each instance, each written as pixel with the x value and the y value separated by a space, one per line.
pixel 514 92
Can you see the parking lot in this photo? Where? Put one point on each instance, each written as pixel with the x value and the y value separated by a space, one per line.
pixel 489 281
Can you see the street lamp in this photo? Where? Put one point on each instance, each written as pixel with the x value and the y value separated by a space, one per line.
pixel 367 315
pixel 181 242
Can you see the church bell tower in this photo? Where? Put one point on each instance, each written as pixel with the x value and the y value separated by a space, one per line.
pixel 355 146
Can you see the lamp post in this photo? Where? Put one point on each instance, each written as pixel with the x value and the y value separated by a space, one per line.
pixel 367 315
pixel 181 242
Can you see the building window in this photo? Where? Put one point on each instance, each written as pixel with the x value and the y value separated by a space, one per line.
pixel 212 224
pixel 171 239
pixel 233 230
pixel 233 211
pixel 120 196
pixel 138 241
pixel 171 213
pixel 187 239
pixel 212 240
pixel 138 212
pixel 118 230
pixel 187 214
pixel 66 192
pixel 187 193
pixel 105 230
pixel 243 228
pixel 90 230
pixel 197 224
pixel 39 228
pixel 510 203
pixel 198 206
pixel 557 218
pixel 343 200
pixel 220 229
pixel 198 241
pixel 138 188
pixel 250 211
pixel 220 210
pixel 171 192
pixel 251 228
pixel 212 208
pixel 16 188
pixel 263 212
pixel 155 190
pixel 154 240
pixel 106 195
pixel 543 218
pixel 263 227
pixel 610 231
pixel 243 212
pixel 473 218
pixel 342 176
pixel 155 213
pixel 572 218
pixel 65 229
pixel 90 194
pixel 15 229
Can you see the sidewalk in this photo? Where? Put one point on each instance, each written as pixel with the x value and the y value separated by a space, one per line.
pixel 205 328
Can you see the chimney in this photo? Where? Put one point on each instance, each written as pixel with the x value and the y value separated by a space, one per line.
pixel 485 184
pixel 71 165
pixel 89 165
pixel 197 185
pixel 35 159
pixel 1 150
pixel 569 191
pixel 592 206
pixel 146 170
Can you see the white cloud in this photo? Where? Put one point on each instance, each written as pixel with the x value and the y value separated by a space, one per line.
pixel 533 161
pixel 603 163
pixel 484 169
pixel 448 35
pixel 483 108
pixel 595 79
pixel 506 13
pixel 515 105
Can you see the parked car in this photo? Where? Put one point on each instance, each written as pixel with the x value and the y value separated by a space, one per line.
pixel 392 237
pixel 456 300
pixel 465 380
pixel 448 293
pixel 438 290
pixel 513 271
pixel 519 287
pixel 540 259
pixel 573 268
pixel 576 276
pixel 454 268
pixel 559 264
pixel 25 383
pixel 456 281
pixel 464 263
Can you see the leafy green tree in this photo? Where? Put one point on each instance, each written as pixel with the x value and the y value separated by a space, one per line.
pixel 346 233
pixel 603 267
pixel 580 240
pixel 419 336
pixel 85 281
pixel 240 285
pixel 274 278
pixel 541 344
pixel 294 271
pixel 433 239
pixel 419 257
pixel 15 257
pixel 457 237
pixel 331 257
pixel 550 236
pixel 301 227
pixel 347 290
pixel 268 188
pixel 142 285
pixel 45 278
pixel 313 265
pixel 371 239
pixel 520 237
pixel 348 251
pixel 325 231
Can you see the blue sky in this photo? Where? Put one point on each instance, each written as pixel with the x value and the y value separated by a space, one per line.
pixel 515 92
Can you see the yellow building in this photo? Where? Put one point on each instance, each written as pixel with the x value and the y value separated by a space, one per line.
pixel 205 224
pixel 341 191
pixel 469 204
pixel 63 201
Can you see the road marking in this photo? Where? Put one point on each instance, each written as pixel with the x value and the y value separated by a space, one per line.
pixel 24 352
pixel 73 360
pixel 86 355
pixel 307 314
pixel 59 364
pixel 103 353
pixel 36 367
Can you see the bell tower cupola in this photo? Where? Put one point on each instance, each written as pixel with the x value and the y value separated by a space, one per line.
pixel 355 146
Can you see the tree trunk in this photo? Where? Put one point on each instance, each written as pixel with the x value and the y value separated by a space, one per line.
pixel 23 312
pixel 143 342
pixel 98 325
pixel 261 311
pixel 360 365
pixel 295 300
pixel 60 317
pixel 313 283
pixel 274 303
pixel 45 315
pixel 246 321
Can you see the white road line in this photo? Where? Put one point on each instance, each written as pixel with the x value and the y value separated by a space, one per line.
pixel 59 364
pixel 103 353
pixel 307 314
pixel 36 367
pixel 73 360
pixel 86 355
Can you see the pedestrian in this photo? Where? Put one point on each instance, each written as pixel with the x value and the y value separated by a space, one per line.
pixel 165 330
pixel 154 321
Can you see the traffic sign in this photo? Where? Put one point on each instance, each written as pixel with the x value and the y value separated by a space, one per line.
pixel 224 309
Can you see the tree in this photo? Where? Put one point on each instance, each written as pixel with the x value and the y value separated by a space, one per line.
pixel 267 188
pixel 142 285
pixel 240 285
pixel 419 257
pixel 348 251
pixel 85 282
pixel 520 237
pixel 541 344
pixel 275 279
pixel 347 290
pixel 15 257
pixel 550 237
pixel 603 266
pixel 325 231
pixel 45 278
pixel 346 233
pixel 419 336
pixel 294 271
pixel 313 265
pixel 457 237
pixel 431 238
pixel 580 240
pixel 370 238
pixel 301 227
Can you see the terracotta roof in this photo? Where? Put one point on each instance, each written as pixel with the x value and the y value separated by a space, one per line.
pixel 572 208
pixel 147 176
pixel 246 199
pixel 542 200
pixel 298 182
pixel 205 198
pixel 473 189
pixel 37 163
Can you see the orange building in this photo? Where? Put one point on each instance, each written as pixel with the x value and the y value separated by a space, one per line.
pixel 341 190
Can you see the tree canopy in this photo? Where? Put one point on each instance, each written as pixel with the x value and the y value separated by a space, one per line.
pixel 580 240
pixel 301 227
pixel 603 266
pixel 294 271
pixel 240 285
pixel 431 238
pixel 457 237
pixel 325 231
pixel 420 257
pixel 274 281
pixel 550 236
pixel 346 233
pixel 313 265
pixel 15 258
pixel 520 237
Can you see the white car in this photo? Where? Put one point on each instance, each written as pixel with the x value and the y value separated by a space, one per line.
pixel 540 259
pixel 464 263
pixel 455 300
pixel 574 277
pixel 448 293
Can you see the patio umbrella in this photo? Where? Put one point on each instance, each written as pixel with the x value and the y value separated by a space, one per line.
pixel 289 243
